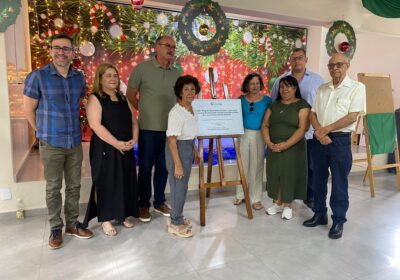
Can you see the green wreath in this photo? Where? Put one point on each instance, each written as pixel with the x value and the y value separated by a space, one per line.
pixel 9 10
pixel 344 27
pixel 213 42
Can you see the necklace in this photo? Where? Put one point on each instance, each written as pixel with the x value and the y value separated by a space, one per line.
pixel 284 109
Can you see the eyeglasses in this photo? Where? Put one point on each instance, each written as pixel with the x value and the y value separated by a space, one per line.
pixel 251 106
pixel 59 49
pixel 299 58
pixel 338 65
pixel 168 46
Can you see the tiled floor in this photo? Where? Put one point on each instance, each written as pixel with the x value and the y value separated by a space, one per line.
pixel 229 247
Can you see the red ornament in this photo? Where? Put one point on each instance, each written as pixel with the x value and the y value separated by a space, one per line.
pixel 344 46
pixel 137 4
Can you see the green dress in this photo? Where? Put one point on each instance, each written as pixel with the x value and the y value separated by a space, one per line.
pixel 288 168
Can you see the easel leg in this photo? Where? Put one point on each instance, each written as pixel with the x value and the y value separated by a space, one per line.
pixel 202 190
pixel 369 159
pixel 210 159
pixel 243 179
pixel 396 156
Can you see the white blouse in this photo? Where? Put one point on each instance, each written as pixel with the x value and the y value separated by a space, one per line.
pixel 182 123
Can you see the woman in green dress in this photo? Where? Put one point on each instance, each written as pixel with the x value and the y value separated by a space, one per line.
pixel 283 129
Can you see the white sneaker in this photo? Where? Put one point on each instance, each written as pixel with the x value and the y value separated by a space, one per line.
pixel 287 213
pixel 274 209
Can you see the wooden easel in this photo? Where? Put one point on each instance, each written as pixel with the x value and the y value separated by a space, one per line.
pixel 205 187
pixel 379 100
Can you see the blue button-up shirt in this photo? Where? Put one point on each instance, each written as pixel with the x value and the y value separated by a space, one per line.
pixel 57 114
pixel 308 89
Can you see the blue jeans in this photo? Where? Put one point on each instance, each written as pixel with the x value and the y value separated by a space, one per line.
pixel 338 158
pixel 151 151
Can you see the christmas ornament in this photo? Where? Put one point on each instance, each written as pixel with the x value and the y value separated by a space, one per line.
pixel 203 46
pixel 43 16
pixel 338 27
pixel 298 43
pixel 254 56
pixel 162 19
pixel 106 10
pixel 204 29
pixel 344 46
pixel 115 31
pixel 146 25
pixel 58 23
pixel 87 48
pixel 179 67
pixel 137 4
pixel 94 29
pixel 247 37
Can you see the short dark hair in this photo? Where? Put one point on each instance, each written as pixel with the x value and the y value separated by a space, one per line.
pixel 292 82
pixel 162 37
pixel 185 80
pixel 247 79
pixel 62 36
pixel 299 50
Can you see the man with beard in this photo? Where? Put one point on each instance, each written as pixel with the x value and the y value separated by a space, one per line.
pixel 52 100
pixel 333 117
pixel 151 91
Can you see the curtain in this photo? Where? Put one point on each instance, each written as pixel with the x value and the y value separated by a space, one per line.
pixel 383 8
pixel 382 132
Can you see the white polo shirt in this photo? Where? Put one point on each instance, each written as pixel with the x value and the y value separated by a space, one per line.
pixel 182 123
pixel 332 104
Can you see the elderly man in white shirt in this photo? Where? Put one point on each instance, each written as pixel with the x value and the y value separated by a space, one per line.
pixel 333 117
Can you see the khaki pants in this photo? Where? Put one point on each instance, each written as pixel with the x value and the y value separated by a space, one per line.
pixel 56 162
pixel 252 152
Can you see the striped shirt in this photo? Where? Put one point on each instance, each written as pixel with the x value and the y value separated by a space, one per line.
pixel 58 111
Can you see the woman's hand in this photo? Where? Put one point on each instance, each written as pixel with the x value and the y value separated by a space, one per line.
pixel 178 172
pixel 280 147
pixel 123 146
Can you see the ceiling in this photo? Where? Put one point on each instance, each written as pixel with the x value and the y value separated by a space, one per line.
pixel 300 13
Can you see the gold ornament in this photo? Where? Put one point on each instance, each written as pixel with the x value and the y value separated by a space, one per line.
pixel 203 29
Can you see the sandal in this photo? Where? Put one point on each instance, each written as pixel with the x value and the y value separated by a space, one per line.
pixel 181 231
pixel 108 229
pixel 128 224
pixel 238 201
pixel 186 222
pixel 257 206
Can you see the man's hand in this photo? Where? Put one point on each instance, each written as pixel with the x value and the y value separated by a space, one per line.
pixel 325 140
pixel 321 133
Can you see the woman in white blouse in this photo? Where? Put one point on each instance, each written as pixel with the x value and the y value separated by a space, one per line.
pixel 180 151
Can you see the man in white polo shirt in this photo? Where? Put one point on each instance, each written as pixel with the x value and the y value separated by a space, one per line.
pixel 333 117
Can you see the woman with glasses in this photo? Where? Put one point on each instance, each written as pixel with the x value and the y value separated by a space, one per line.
pixel 114 189
pixel 284 126
pixel 254 105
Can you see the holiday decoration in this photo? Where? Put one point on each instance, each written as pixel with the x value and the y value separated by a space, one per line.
pixel 271 83
pixel 344 46
pixel 162 19
pixel 344 27
pixel 137 4
pixel 270 50
pixel 247 37
pixel 115 26
pixel 59 23
pixel 87 48
pixel 203 29
pixel 198 8
pixel 383 8
pixel 9 10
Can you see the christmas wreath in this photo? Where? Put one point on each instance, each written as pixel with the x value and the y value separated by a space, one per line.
pixel 203 26
pixel 9 10
pixel 347 48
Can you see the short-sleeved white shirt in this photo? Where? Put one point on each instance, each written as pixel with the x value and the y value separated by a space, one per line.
pixel 332 104
pixel 182 123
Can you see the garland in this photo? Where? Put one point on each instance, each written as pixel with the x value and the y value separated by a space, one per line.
pixel 344 27
pixel 203 46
